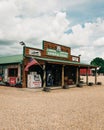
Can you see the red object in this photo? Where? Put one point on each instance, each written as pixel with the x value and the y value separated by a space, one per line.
pixel 12 81
pixel 32 62
pixel 85 71
pixel 0 78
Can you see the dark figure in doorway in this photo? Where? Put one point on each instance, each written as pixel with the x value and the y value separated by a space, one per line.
pixel 49 80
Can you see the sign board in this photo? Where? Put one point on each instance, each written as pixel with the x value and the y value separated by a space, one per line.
pixel 34 81
pixel 75 58
pixel 52 52
pixel 34 52
pixel 56 50
pixel 28 51
pixel 12 81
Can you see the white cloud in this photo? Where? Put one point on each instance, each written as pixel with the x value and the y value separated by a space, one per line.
pixel 87 53
pixel 99 42
pixel 40 27
pixel 38 20
pixel 38 7
pixel 89 39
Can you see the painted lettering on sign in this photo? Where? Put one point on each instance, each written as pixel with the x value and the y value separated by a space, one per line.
pixel 53 52
pixel 75 58
pixel 34 52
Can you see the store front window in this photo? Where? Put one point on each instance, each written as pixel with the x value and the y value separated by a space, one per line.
pixel 12 72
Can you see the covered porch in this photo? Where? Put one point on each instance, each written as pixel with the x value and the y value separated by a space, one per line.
pixel 63 72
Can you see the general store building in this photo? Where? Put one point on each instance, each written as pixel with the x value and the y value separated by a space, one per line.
pixel 54 66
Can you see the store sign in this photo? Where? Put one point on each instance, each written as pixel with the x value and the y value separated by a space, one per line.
pixel 12 81
pixel 58 53
pixel 34 81
pixel 58 48
pixel 34 52
pixel 75 59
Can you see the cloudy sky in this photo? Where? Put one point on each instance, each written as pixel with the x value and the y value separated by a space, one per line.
pixel 78 24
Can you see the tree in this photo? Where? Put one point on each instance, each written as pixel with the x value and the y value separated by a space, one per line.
pixel 98 62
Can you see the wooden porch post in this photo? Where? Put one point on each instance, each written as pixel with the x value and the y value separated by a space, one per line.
pixel 24 74
pixel 87 76
pixel 77 75
pixel 95 75
pixel 44 76
pixel 62 75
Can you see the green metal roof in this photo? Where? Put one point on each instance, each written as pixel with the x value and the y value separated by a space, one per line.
pixel 11 59
pixel 65 62
pixel 19 58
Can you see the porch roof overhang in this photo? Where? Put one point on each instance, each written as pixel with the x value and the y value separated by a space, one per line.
pixel 64 62
pixel 12 59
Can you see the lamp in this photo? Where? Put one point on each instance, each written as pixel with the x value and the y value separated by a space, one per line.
pixel 22 43
pixel 79 55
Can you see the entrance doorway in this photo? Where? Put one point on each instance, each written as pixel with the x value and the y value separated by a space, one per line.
pixel 70 75
pixel 35 76
pixel 53 75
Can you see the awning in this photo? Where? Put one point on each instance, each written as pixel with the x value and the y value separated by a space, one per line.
pixel 64 62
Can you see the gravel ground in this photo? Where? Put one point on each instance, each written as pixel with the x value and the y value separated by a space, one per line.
pixel 61 109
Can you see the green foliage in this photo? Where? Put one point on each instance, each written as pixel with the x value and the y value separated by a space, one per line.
pixel 98 62
pixel 101 70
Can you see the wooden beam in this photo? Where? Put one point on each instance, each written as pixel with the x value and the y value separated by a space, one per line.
pixel 24 76
pixel 77 75
pixel 95 75
pixel 44 76
pixel 87 76
pixel 62 75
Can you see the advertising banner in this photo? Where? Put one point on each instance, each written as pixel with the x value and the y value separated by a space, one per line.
pixel 34 81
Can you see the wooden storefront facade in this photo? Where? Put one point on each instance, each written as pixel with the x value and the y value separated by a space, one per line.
pixel 56 66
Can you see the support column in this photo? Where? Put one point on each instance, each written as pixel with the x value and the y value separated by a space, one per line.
pixel 24 74
pixel 95 75
pixel 87 76
pixel 44 76
pixel 62 75
pixel 77 75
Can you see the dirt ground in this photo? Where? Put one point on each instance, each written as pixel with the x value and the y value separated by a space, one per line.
pixel 61 109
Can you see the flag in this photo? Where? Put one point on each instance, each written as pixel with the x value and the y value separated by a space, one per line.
pixel 32 62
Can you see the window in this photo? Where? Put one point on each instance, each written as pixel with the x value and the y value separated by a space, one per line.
pixel 13 72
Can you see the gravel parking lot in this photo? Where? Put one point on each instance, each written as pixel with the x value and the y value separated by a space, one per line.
pixel 61 109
